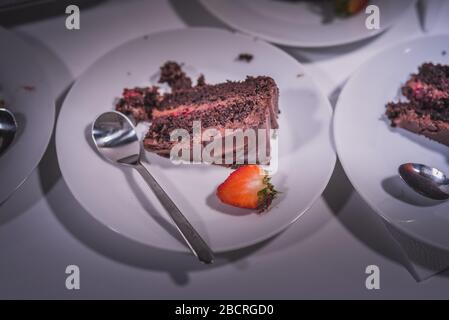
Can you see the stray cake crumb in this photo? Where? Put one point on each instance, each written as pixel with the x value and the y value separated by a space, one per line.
pixel 245 57
pixel 28 88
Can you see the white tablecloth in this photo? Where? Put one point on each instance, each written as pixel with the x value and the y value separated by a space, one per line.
pixel 324 255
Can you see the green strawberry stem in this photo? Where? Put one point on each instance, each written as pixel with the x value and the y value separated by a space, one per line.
pixel 266 195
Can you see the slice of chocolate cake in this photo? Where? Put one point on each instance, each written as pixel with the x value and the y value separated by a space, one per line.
pixel 248 104
pixel 427 111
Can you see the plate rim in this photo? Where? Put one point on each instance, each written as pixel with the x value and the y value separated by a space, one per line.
pixel 339 144
pixel 221 249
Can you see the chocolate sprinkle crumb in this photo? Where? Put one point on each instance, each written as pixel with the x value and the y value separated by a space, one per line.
pixel 245 57
pixel 201 81
pixel 28 88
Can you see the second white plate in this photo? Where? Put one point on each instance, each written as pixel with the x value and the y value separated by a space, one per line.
pixel 371 151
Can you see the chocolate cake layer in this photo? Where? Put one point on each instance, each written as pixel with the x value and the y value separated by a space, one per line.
pixel 403 116
pixel 234 115
pixel 427 111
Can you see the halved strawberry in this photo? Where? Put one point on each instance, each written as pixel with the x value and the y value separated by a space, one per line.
pixel 247 187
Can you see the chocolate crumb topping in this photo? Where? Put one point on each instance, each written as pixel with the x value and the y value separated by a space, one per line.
pixel 427 92
pixel 434 74
pixel 201 81
pixel 172 74
pixel 139 102
pixel 219 92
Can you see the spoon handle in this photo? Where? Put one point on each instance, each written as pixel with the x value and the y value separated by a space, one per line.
pixel 196 244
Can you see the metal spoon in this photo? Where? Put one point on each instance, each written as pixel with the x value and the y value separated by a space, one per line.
pixel 8 129
pixel 116 139
pixel 427 181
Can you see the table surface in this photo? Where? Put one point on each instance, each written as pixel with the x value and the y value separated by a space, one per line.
pixel 43 228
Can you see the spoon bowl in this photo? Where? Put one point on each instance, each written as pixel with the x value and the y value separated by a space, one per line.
pixel 427 181
pixel 116 140
pixel 8 129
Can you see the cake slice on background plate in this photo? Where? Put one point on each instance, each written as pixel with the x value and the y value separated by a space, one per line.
pixel 427 110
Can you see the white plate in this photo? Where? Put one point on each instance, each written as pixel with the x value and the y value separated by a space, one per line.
pixel 370 151
pixel 119 198
pixel 28 94
pixel 298 23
